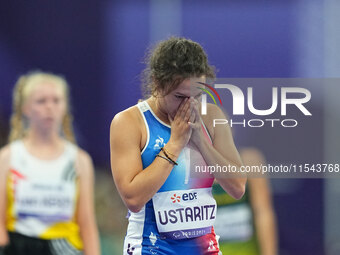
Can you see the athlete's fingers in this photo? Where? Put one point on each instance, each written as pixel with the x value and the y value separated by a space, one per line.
pixel 199 106
pixel 180 108
pixel 187 115
pixel 184 110
pixel 190 109
pixel 196 110
pixel 192 118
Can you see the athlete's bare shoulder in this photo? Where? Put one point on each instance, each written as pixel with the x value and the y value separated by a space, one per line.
pixel 127 127
pixel 252 156
pixel 213 112
pixel 5 154
pixel 129 116
pixel 84 156
pixel 84 164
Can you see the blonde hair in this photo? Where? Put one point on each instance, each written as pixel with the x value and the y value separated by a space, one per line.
pixel 22 90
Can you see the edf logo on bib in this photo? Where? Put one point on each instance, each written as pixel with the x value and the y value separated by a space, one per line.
pixel 185 197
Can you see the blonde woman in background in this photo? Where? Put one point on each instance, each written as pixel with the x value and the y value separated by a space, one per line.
pixel 247 226
pixel 46 181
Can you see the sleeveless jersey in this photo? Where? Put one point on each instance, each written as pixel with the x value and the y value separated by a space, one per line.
pixel 42 195
pixel 179 217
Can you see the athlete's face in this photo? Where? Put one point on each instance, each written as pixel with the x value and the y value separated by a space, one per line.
pixel 45 106
pixel 188 88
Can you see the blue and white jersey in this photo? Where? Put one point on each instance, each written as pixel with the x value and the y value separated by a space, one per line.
pixel 179 217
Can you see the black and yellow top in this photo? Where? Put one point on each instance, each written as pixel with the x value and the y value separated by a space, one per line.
pixel 42 195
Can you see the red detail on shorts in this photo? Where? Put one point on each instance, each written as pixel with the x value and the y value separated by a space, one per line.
pixel 209 244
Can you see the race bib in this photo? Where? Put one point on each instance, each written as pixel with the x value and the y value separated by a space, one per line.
pixel 50 201
pixel 184 213
pixel 234 223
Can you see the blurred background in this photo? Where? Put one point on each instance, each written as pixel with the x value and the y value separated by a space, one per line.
pixel 100 46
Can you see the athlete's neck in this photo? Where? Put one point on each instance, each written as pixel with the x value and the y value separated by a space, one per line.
pixel 46 146
pixel 158 110
pixel 38 139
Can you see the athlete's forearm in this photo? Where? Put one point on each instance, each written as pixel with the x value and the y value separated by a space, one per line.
pixel 90 237
pixel 233 183
pixel 4 239
pixel 266 232
pixel 149 180
pixel 4 166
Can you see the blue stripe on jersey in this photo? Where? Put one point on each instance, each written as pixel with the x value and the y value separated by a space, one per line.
pixel 159 136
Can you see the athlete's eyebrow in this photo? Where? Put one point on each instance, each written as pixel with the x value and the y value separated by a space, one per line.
pixel 183 95
pixel 180 94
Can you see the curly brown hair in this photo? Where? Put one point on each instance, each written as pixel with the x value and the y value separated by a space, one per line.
pixel 172 61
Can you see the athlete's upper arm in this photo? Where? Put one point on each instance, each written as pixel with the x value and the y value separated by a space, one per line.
pixel 86 213
pixel 126 163
pixel 85 171
pixel 223 140
pixel 260 195
pixel 4 168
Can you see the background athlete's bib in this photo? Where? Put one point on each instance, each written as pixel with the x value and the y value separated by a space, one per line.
pixel 50 201
pixel 234 223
